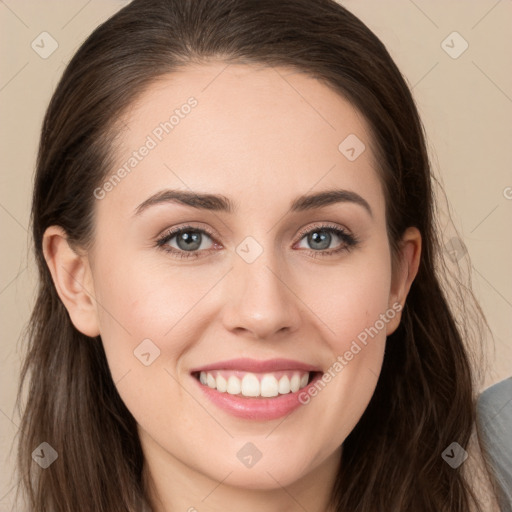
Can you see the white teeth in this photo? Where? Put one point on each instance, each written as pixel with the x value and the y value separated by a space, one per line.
pixel 269 386
pixel 210 380
pixel 295 382
pixel 251 386
pixel 284 385
pixel 234 385
pixel 222 383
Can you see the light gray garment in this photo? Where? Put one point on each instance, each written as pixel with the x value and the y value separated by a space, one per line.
pixel 494 422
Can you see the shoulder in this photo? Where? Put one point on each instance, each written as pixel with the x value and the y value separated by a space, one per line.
pixel 494 422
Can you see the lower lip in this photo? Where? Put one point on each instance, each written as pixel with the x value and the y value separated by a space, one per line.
pixel 257 408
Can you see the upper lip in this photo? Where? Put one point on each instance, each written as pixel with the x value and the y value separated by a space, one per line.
pixel 257 366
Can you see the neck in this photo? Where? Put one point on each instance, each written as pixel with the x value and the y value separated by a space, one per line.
pixel 173 486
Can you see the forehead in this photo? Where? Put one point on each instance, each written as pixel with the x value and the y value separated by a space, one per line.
pixel 249 131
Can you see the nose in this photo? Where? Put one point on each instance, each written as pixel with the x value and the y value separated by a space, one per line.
pixel 261 302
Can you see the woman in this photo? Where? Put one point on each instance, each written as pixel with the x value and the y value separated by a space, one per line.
pixel 192 347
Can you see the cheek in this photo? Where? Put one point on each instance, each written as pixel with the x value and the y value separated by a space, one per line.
pixel 355 313
pixel 141 301
pixel 351 297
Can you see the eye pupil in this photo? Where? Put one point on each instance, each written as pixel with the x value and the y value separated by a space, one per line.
pixel 316 238
pixel 191 239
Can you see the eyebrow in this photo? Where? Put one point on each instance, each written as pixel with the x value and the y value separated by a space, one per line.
pixel 221 203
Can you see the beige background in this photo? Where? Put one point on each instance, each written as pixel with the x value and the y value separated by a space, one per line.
pixel 465 103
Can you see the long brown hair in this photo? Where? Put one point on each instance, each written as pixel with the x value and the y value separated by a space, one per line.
pixel 425 396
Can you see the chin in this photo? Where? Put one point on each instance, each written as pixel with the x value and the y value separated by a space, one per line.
pixel 263 475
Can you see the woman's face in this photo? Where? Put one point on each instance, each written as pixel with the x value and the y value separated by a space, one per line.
pixel 267 280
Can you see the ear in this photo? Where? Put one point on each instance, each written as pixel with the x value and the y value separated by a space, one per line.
pixel 72 277
pixel 404 274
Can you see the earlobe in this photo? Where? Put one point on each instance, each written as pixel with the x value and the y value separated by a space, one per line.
pixel 404 275
pixel 72 277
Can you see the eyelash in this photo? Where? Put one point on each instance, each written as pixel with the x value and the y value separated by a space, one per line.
pixel 349 241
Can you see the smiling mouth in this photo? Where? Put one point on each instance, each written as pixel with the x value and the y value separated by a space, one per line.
pixel 255 385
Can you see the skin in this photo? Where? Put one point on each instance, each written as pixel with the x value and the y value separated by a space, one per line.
pixel 261 142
